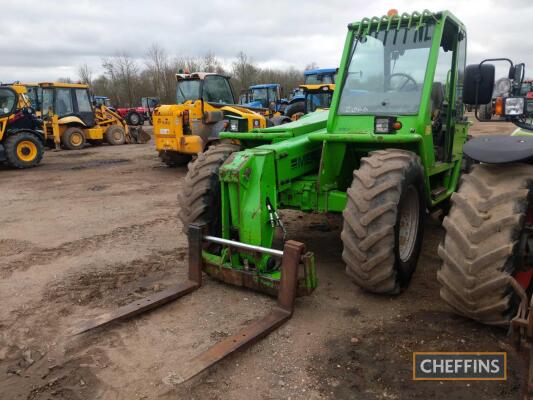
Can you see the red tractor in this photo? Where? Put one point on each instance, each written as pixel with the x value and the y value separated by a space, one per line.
pixel 527 91
pixel 138 115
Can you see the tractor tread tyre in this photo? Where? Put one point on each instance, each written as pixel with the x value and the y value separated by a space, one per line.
pixel 11 144
pixel 174 159
pixel 131 121
pixel 199 200
pixel 65 138
pixel 371 220
pixel 480 245
pixel 297 107
pixel 110 137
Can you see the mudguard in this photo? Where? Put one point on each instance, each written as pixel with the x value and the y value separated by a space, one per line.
pixel 500 149
pixel 70 120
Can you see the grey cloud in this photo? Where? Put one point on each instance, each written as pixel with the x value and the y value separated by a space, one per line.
pixel 49 39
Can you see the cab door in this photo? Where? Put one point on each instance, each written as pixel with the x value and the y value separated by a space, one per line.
pixel 83 106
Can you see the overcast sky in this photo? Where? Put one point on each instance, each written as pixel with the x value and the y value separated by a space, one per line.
pixel 43 40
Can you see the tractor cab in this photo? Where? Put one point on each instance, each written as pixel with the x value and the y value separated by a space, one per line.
pixel 267 96
pixel 317 97
pixel 320 76
pixel 67 100
pixel 209 87
pixel 149 103
pixel 99 101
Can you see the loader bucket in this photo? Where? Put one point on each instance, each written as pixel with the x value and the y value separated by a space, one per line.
pixel 139 135
pixel 291 257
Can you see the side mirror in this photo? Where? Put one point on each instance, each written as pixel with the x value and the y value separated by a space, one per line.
pixel 478 84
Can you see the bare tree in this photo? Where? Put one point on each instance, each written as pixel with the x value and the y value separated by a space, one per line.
pixel 125 81
pixel 123 73
pixel 85 74
pixel 157 65
pixel 244 71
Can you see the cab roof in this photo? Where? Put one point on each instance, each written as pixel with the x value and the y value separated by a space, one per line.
pixel 320 71
pixel 64 85
pixel 197 76
pixel 265 86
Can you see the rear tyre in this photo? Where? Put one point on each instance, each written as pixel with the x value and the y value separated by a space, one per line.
pixel 199 200
pixel 134 118
pixel 23 150
pixel 73 138
pixel 298 107
pixel 383 221
pixel 480 249
pixel 174 159
pixel 115 135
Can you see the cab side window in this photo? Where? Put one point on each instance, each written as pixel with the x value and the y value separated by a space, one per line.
pixel 64 102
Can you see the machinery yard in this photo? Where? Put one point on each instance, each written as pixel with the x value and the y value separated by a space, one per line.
pixel 94 229
pixel 206 223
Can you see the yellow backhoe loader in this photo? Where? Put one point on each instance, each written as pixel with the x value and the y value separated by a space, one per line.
pixel 70 119
pixel 21 143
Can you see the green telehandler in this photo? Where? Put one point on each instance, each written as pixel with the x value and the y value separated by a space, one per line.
pixel 388 150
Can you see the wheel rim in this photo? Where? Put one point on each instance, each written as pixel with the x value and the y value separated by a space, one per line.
pixel 76 139
pixel 408 227
pixel 117 135
pixel 26 151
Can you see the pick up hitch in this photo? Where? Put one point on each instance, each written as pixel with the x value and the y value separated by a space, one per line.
pixel 291 256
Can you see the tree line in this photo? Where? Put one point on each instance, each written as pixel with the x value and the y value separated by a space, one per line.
pixel 125 80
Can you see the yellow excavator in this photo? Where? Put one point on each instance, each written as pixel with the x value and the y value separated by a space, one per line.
pixel 21 142
pixel 70 119
pixel 205 107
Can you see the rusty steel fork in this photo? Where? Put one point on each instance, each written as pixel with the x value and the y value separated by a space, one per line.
pixel 292 255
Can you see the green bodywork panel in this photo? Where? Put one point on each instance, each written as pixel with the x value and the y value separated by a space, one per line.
pixel 308 164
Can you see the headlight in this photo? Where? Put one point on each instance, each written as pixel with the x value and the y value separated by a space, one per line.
pixel 234 125
pixel 514 106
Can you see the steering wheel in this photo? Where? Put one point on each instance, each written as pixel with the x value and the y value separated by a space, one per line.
pixel 408 78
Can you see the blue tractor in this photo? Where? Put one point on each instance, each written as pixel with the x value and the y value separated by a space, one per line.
pixel 266 96
pixel 311 77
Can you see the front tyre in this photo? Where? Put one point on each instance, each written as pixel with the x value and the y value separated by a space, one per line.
pixel 199 200
pixel 115 135
pixel 23 150
pixel 73 138
pixel 383 221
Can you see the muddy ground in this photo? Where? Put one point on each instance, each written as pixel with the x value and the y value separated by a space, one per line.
pixel 90 230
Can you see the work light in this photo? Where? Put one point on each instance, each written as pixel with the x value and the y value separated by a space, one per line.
pixel 514 106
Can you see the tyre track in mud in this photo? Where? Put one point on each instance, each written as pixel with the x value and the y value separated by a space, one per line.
pixel 42 256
